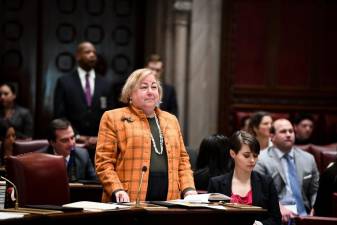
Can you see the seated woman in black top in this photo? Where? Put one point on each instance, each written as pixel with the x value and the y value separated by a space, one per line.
pixel 213 160
pixel 244 185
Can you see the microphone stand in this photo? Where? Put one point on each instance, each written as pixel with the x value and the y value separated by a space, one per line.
pixel 16 192
pixel 139 187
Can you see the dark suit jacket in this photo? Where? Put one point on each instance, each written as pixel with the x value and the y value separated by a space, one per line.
pixel 84 166
pixel 264 194
pixel 169 99
pixel 70 103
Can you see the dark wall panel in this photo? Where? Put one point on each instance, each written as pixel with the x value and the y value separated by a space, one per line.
pixel 18 46
pixel 38 39
pixel 279 56
pixel 327 47
pixel 296 43
pixel 249 36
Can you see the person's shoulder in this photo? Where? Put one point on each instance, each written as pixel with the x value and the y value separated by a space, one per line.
pixel 221 178
pixel 201 172
pixel 68 76
pixel 167 115
pixel 265 153
pixel 167 86
pixel 122 114
pixel 21 109
pixel 81 151
pixel 304 154
pixel 263 178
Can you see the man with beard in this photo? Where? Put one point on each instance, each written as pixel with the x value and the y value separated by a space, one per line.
pixel 83 95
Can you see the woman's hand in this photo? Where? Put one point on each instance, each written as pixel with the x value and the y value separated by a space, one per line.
pixel 191 192
pixel 122 196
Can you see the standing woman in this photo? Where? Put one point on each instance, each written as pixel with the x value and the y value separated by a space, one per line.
pixel 13 114
pixel 244 185
pixel 259 125
pixel 141 135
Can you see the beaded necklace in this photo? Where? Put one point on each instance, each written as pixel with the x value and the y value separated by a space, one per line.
pixel 160 139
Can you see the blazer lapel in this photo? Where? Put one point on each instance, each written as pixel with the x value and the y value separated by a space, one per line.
pixel 299 165
pixel 256 188
pixel 227 184
pixel 162 122
pixel 78 86
pixel 278 164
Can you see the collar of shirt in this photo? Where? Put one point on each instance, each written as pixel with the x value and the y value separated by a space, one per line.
pixel 280 154
pixel 67 158
pixel 92 76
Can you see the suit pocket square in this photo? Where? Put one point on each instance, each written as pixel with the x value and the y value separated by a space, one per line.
pixel 307 177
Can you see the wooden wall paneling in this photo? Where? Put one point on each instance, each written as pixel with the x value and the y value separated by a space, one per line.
pixel 296 43
pixel 294 59
pixel 249 38
pixel 18 48
pixel 327 46
pixel 110 25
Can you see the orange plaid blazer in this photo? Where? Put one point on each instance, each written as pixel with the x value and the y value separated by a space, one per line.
pixel 124 147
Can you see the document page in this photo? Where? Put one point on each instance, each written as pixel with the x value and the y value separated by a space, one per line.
pixel 95 206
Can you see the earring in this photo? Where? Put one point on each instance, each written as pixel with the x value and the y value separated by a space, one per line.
pixel 130 101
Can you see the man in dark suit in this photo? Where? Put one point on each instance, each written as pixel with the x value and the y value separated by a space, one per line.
pixel 61 138
pixel 83 95
pixel 169 99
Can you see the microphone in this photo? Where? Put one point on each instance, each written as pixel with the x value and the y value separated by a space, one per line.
pixel 144 169
pixel 16 192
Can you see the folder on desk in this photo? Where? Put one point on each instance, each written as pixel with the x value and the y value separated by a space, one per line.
pixel 55 207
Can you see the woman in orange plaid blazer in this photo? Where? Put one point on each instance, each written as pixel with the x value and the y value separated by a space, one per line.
pixel 141 137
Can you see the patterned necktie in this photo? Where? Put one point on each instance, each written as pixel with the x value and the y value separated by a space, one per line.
pixel 295 186
pixel 87 90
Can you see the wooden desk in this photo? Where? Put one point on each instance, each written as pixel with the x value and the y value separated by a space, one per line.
pixel 139 216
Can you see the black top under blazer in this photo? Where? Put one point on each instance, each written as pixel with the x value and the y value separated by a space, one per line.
pixel 264 194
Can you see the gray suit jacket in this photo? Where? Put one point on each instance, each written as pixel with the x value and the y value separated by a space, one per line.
pixel 269 163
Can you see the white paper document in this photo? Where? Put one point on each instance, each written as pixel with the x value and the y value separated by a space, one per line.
pixel 95 206
pixel 205 198
pixel 11 215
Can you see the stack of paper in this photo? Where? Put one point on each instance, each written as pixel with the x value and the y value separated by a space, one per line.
pixel 95 206
pixel 11 215
pixel 2 194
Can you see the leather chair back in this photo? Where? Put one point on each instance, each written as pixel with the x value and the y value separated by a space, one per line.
pixel 327 157
pixel 41 179
pixel 314 220
pixel 22 146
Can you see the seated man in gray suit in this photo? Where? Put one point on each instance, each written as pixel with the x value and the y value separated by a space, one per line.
pixel 61 139
pixel 293 170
